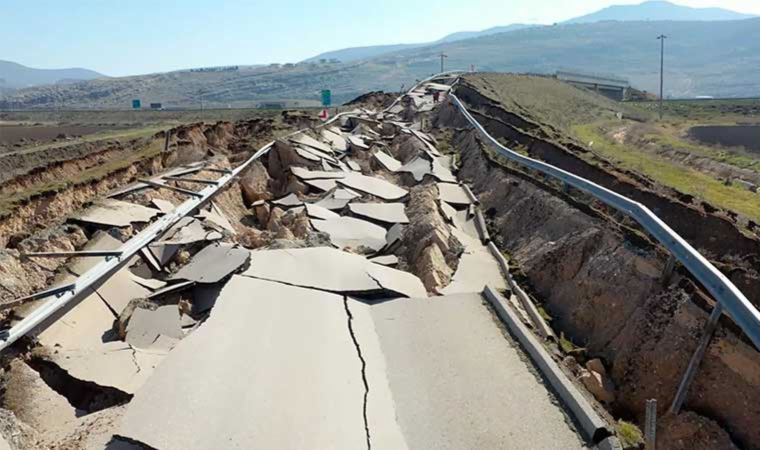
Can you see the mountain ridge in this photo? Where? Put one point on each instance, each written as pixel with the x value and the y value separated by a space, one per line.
pixel 658 10
pixel 15 75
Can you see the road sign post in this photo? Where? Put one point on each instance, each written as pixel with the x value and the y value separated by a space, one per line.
pixel 326 97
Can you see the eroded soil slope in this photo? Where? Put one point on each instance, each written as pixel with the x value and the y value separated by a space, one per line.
pixel 729 240
pixel 600 279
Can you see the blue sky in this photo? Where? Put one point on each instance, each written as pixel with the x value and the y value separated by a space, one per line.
pixel 125 37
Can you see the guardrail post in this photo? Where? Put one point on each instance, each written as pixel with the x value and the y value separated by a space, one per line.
pixel 667 272
pixel 650 426
pixel 696 359
pixel 167 135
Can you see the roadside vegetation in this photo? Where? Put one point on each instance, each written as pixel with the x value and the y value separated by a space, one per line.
pixel 630 135
pixel 672 174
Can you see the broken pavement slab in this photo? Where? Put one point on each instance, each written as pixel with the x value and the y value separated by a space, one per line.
pixel 146 326
pixel 297 356
pixel 114 364
pixel 373 186
pixel 83 326
pixel 306 174
pixel 385 260
pixel 387 161
pixel 358 142
pixel 313 154
pixel 215 218
pixel 353 165
pixel 477 266
pixel 318 212
pixel 338 199
pixel 418 167
pixel 164 206
pixel 150 283
pixel 163 253
pixel 188 231
pixel 305 154
pixel 289 201
pixel 213 263
pixel 322 185
pixel 453 194
pixel 305 139
pixel 101 240
pixel 389 213
pixel 332 270
pixel 116 213
pixel 349 232
pixel 119 289
pixel 336 139
pixel 441 172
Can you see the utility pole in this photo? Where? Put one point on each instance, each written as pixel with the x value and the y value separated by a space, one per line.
pixel 662 38
pixel 443 55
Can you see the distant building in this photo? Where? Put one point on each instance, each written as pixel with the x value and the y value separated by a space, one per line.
pixel 607 85
pixel 271 105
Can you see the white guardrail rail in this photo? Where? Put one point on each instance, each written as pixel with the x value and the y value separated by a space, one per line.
pixel 60 299
pixel 733 301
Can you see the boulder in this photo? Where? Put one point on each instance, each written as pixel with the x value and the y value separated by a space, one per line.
pixel 254 184
pixel 599 385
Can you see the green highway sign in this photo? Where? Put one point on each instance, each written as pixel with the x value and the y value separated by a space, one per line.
pixel 326 97
pixel 136 103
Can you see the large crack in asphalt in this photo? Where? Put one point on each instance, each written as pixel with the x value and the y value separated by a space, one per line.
pixel 349 319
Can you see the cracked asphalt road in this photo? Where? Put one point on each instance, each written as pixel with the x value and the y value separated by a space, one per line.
pixel 302 368
pixel 288 359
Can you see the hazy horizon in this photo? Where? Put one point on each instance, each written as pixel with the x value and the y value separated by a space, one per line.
pixel 142 37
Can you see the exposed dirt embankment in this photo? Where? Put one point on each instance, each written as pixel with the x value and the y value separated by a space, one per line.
pixel 375 100
pixel 717 234
pixel 601 284
pixel 48 192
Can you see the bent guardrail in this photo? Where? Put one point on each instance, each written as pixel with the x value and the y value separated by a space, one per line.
pixel 734 302
pixel 63 298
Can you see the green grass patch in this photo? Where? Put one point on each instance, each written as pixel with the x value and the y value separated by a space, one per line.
pixel 671 174
pixel 566 344
pixel 629 434
pixel 734 158
pixel 544 315
pixel 128 134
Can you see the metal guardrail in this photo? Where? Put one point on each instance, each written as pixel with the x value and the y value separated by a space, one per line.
pixel 723 290
pixel 62 298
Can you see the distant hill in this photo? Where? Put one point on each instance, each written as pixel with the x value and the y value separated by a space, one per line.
pixel 462 35
pixel 16 76
pixel 353 54
pixel 659 10
pixel 717 58
pixel 651 10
